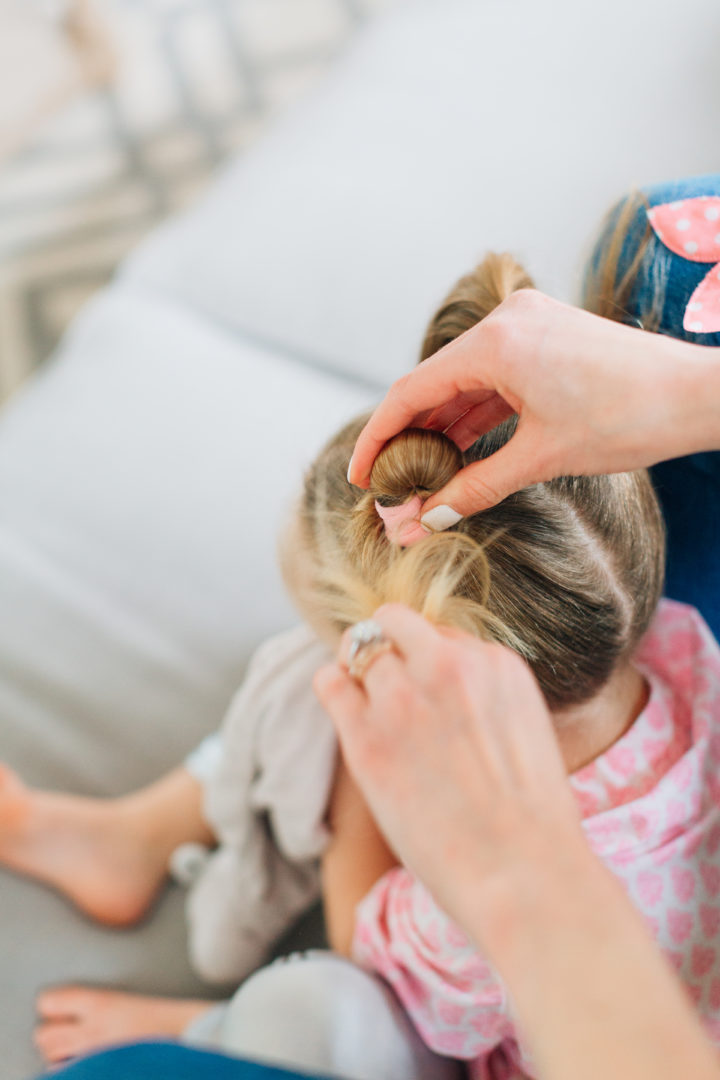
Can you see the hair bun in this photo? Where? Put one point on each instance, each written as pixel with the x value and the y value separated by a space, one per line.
pixel 415 462
pixel 473 298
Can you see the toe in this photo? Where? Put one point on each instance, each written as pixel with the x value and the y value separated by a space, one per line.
pixel 65 1002
pixel 15 800
pixel 56 1042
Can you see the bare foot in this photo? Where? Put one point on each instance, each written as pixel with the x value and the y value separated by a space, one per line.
pixel 97 852
pixel 76 1020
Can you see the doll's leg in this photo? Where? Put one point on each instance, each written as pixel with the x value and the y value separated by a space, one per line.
pixel 321 1013
pixel 688 488
pixel 109 856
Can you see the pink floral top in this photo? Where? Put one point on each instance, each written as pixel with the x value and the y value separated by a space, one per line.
pixel 651 810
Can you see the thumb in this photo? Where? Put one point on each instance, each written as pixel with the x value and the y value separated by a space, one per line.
pixel 480 485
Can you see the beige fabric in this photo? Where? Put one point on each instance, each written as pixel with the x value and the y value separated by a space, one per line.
pixel 172 88
pixel 43 61
pixel 266 804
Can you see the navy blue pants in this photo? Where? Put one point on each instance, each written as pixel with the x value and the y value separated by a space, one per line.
pixel 689 491
pixel 169 1061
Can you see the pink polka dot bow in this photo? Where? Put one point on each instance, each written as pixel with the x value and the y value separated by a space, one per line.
pixel 691 229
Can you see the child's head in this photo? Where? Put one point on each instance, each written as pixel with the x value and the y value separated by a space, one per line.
pixel 655 262
pixel 568 573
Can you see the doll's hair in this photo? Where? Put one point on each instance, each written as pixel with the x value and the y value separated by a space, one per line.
pixel 567 573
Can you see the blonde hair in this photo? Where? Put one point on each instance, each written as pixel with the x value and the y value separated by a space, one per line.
pixel 567 573
pixel 623 253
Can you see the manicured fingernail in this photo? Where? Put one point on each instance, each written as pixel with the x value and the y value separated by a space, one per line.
pixel 348 472
pixel 440 518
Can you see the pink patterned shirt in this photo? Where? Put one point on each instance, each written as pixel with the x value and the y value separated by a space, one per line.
pixel 651 810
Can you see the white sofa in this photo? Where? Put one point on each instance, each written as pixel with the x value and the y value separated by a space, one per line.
pixel 144 475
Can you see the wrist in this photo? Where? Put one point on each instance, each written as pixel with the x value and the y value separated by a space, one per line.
pixel 591 993
pixel 515 915
pixel 693 388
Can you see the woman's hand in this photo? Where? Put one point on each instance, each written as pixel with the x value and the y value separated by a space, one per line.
pixel 592 396
pixel 452 745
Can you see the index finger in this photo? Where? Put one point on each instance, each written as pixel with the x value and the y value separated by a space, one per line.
pixel 432 384
pixel 415 638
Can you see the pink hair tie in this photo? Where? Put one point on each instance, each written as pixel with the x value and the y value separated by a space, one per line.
pixel 402 523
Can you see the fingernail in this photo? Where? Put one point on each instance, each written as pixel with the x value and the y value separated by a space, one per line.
pixel 440 518
pixel 349 470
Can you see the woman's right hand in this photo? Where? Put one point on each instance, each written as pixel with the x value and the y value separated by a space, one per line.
pixel 450 739
pixel 592 396
pixel 451 743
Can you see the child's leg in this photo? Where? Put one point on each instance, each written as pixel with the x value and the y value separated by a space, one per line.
pixel 316 1013
pixel 76 1020
pixel 109 856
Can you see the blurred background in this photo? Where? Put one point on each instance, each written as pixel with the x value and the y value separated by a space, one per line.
pixel 113 114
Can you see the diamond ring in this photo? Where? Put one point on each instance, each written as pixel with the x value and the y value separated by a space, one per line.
pixel 367 642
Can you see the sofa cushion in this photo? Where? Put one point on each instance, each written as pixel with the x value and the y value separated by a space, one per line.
pixel 143 479
pixel 452 128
